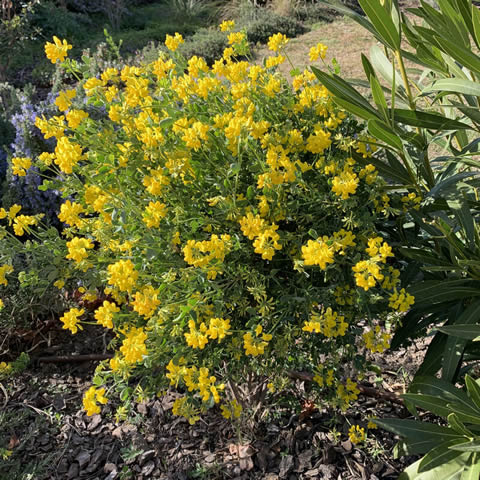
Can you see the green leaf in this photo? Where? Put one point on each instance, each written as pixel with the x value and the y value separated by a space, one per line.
pixel 440 455
pixel 441 389
pixel 473 389
pixel 382 65
pixel 354 109
pixel 382 21
pixel 476 23
pixel 343 90
pixel 458 426
pixel 431 121
pixel 379 98
pixel 472 468
pixel 466 413
pixel 468 332
pixel 455 346
pixel 436 405
pixel 464 56
pixel 381 131
pixel 412 428
pixel 455 85
pixel 435 291
pixel 449 471
pixel 472 446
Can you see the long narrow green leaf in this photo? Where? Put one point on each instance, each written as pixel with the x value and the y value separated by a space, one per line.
pixel 341 89
pixel 436 387
pixel 468 332
pixel 463 55
pixel 458 426
pixel 466 413
pixel 431 121
pixel 381 131
pixel 382 21
pixel 440 455
pixel 434 291
pixel 476 24
pixel 379 98
pixel 472 468
pixel 472 446
pixel 455 345
pixel 449 471
pixel 446 185
pixel 436 405
pixel 473 389
pixel 383 66
pixel 456 85
pixel 360 19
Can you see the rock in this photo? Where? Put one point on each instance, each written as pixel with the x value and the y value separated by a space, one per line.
pixel 148 468
pixel 145 456
pixel 286 466
pixel 82 458
pixel 72 472
pixel 62 466
pixel 58 402
pixel 94 422
pixel 109 467
pixel 210 458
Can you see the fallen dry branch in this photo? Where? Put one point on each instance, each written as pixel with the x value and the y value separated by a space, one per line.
pixel 74 358
pixel 364 389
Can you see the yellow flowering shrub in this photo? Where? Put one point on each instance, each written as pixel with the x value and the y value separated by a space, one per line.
pixel 231 222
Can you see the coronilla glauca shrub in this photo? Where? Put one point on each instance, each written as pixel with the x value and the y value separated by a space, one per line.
pixel 218 214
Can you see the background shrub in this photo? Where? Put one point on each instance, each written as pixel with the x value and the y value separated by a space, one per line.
pixel 267 24
pixel 207 43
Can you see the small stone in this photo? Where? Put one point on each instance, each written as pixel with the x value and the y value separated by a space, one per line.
pixel 94 422
pixel 286 466
pixel 72 471
pixel 82 458
pixel 145 456
pixel 109 467
pixel 63 466
pixel 148 468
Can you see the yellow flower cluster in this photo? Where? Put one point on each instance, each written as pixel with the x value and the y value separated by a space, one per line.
pixel 318 252
pixel 4 269
pixel 401 301
pixel 104 314
pixel 368 272
pixel 90 399
pixel 376 341
pixel 122 275
pixel 146 301
pixel 319 50
pixel 232 410
pixel 255 345
pixel 198 338
pixel 277 42
pixel 207 253
pixel 77 249
pixel 356 434
pixel 347 393
pixel 71 320
pixel 133 346
pixel 329 323
pixel 57 50
pixel 20 165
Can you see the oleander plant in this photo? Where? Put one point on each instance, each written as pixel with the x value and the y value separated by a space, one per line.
pixel 228 223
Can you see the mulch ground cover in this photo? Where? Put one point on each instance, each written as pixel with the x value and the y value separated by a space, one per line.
pixel 43 424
